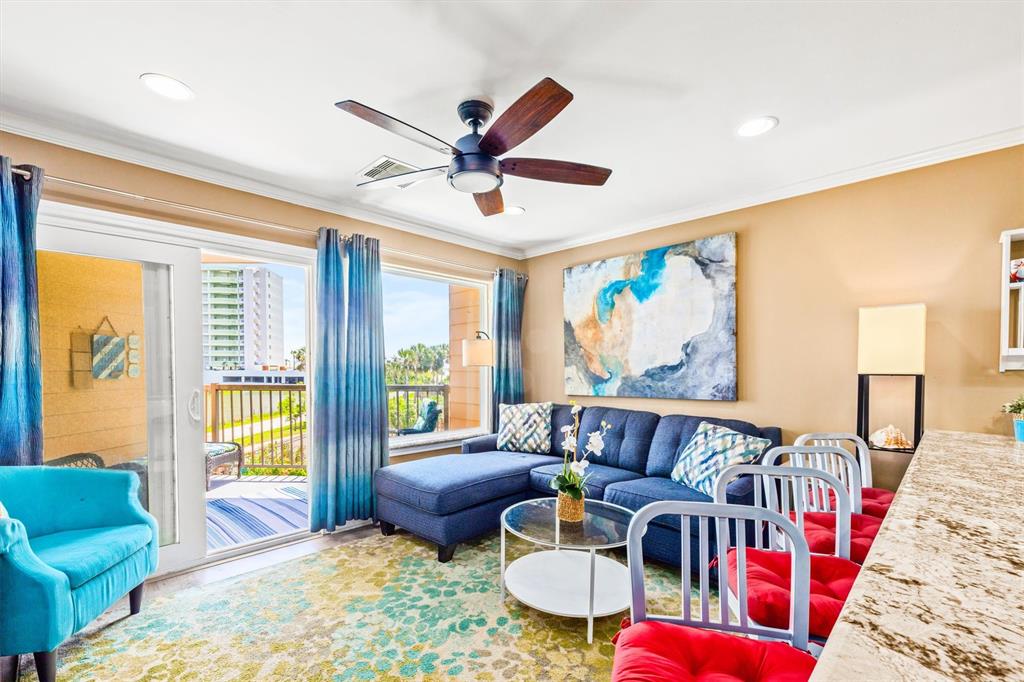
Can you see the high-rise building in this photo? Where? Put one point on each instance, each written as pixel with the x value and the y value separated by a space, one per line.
pixel 243 317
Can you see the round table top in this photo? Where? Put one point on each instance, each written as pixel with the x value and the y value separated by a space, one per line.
pixel 604 525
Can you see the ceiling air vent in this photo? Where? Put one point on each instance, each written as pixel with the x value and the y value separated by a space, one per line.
pixel 386 167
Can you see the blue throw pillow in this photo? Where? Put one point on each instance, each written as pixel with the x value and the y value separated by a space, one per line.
pixel 525 427
pixel 713 449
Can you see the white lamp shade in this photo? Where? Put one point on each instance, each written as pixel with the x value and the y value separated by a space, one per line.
pixel 477 353
pixel 890 339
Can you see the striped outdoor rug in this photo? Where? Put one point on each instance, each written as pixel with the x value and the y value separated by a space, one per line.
pixel 234 520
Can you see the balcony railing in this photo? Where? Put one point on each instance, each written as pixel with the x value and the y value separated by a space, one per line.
pixel 270 421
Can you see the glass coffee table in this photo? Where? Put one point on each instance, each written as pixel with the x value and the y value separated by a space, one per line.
pixel 571 579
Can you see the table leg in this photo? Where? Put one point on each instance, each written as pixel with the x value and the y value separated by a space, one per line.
pixel 590 608
pixel 503 563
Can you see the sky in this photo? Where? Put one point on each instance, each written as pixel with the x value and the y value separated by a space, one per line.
pixel 415 310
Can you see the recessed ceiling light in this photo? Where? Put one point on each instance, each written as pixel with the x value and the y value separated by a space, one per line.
pixel 166 86
pixel 514 210
pixel 757 126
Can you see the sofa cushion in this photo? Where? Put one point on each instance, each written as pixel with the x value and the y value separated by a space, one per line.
pixel 676 430
pixel 82 555
pixel 561 415
pixel 525 427
pixel 628 439
pixel 711 451
pixel 446 484
pixel 641 492
pixel 600 477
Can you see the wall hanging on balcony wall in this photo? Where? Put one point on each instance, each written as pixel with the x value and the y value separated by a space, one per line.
pixel 107 353
pixel 654 324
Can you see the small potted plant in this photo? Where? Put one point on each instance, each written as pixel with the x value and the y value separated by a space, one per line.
pixel 571 484
pixel 1016 409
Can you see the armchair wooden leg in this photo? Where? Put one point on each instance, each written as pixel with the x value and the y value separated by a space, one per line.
pixel 135 599
pixel 446 552
pixel 46 665
pixel 9 668
pixel 387 528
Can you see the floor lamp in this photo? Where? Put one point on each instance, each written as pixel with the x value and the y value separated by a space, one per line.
pixel 891 342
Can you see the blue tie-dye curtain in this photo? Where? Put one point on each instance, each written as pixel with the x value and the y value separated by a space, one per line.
pixel 21 390
pixel 350 399
pixel 509 291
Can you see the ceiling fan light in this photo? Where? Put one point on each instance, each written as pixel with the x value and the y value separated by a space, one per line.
pixel 474 181
pixel 757 126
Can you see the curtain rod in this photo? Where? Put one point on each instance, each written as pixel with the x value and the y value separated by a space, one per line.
pixel 231 216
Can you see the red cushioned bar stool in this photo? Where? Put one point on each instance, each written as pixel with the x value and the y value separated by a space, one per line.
pixel 703 642
pixel 788 491
pixel 820 500
pixel 876 501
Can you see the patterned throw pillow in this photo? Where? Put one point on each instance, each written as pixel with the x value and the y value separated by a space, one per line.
pixel 713 449
pixel 525 427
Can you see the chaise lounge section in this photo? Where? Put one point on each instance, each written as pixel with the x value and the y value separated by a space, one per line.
pixel 457 498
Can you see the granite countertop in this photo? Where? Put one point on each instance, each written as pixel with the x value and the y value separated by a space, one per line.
pixel 941 595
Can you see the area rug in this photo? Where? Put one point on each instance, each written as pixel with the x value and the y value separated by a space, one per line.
pixel 377 608
pixel 234 520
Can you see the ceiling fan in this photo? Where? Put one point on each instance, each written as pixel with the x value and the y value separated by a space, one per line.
pixel 474 166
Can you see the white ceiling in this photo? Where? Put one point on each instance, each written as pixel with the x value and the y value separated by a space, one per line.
pixel 861 88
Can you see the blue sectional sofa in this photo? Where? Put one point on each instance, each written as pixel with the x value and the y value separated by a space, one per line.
pixel 456 498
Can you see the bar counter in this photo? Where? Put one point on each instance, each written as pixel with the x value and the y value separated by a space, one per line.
pixel 941 594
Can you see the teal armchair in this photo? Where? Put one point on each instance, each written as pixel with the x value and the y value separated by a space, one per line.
pixel 76 541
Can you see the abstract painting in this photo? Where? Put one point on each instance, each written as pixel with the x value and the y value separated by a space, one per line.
pixel 655 324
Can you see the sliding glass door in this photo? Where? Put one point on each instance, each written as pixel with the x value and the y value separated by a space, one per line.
pixel 121 338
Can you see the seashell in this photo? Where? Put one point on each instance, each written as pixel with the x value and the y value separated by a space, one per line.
pixel 889 437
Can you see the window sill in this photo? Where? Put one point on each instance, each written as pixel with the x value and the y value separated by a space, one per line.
pixel 411 445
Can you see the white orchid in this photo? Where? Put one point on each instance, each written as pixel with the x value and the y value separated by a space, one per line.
pixel 569 443
pixel 568 428
pixel 579 468
pixel 576 409
pixel 595 442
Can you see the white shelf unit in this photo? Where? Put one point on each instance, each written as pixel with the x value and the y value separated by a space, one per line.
pixel 1011 310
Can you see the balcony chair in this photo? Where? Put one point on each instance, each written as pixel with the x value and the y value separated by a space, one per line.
pixel 800 495
pixel 221 454
pixel 876 500
pixel 696 644
pixel 426 421
pixel 74 542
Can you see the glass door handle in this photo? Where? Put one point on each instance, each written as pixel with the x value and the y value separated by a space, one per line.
pixel 193 405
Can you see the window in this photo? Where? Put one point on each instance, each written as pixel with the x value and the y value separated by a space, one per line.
pixel 431 396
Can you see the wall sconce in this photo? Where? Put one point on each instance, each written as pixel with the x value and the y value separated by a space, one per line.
pixel 478 352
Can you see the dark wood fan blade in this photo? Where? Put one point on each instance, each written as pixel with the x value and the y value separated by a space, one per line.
pixel 526 116
pixel 556 171
pixel 490 203
pixel 393 125
pixel 404 178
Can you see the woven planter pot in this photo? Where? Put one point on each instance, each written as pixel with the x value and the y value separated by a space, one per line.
pixel 569 509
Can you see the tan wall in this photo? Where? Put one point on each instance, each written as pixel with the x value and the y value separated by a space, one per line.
pixel 464 385
pixel 109 417
pixel 804 266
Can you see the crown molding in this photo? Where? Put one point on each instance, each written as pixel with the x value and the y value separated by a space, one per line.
pixel 978 145
pixel 163 160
